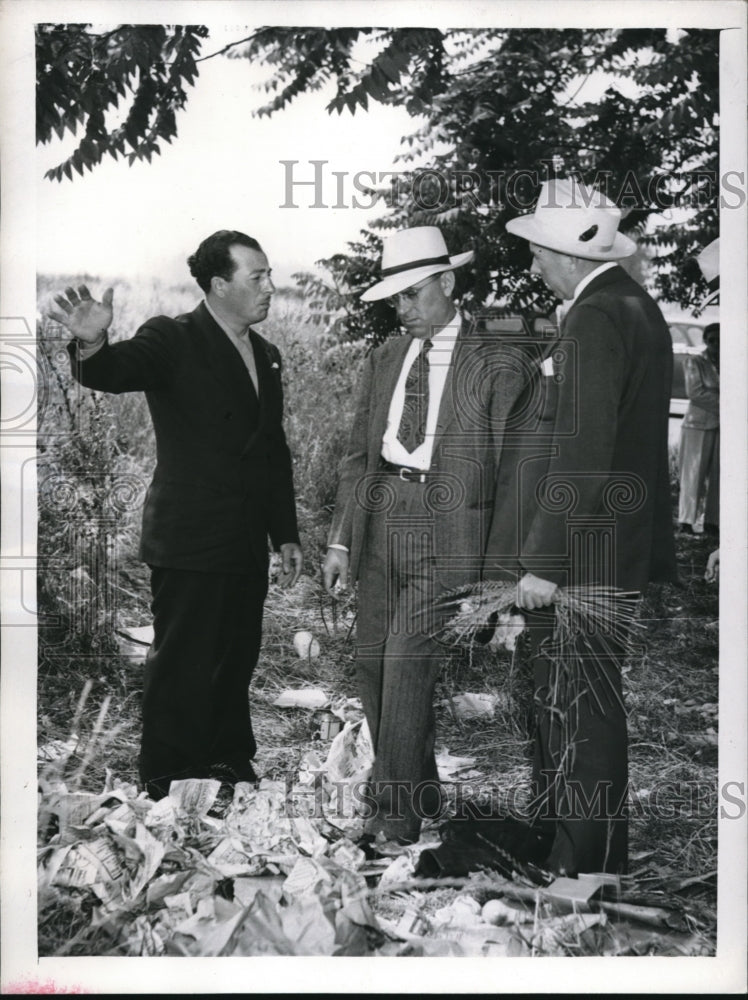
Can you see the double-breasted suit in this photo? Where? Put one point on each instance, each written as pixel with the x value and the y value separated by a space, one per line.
pixel 410 540
pixel 222 485
pixel 586 500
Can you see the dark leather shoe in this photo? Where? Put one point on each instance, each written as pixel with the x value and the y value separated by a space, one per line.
pixel 232 774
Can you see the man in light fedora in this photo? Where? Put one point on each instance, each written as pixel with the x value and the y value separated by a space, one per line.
pixel 413 514
pixel 599 513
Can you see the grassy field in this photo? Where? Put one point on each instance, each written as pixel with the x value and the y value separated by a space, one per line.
pixel 95 454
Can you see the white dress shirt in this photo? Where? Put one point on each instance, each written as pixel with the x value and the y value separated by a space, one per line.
pixel 563 308
pixel 440 358
pixel 243 345
pixel 591 276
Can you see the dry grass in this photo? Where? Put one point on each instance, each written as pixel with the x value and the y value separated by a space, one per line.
pixel 670 684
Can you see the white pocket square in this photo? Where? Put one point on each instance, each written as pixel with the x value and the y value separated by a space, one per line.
pixel 547 366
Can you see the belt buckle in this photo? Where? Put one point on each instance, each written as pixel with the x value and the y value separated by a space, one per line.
pixel 411 475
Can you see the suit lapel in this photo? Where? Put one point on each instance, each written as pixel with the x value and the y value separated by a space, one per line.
pixel 222 360
pixel 387 374
pixel 463 351
pixel 268 372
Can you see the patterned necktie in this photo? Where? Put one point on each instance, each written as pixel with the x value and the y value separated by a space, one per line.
pixel 412 430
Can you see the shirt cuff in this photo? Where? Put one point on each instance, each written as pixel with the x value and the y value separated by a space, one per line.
pixel 343 548
pixel 86 351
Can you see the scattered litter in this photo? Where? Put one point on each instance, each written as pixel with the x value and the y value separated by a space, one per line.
pixel 472 706
pixel 448 765
pixel 464 912
pixel 347 709
pixel 311 698
pixel 508 629
pixel 496 912
pixel 400 869
pixel 555 934
pixel 329 725
pixel 134 641
pixel 306 646
pixel 194 795
pixel 58 749
pixel 351 754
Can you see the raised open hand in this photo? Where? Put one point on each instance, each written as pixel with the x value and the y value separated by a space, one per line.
pixel 85 318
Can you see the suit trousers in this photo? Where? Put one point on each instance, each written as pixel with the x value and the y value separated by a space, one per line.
pixel 580 755
pixel 398 660
pixel 207 632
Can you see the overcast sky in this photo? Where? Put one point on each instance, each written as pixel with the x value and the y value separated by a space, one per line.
pixel 224 171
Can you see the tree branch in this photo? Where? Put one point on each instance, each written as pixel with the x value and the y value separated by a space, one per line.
pixel 226 48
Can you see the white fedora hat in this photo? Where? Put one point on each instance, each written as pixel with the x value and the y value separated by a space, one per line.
pixel 574 219
pixel 708 261
pixel 409 256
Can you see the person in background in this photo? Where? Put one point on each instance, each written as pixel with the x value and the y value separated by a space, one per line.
pixel 699 440
pixel 711 574
pixel 222 486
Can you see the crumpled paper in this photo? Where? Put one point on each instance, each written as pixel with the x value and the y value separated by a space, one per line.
pixel 472 705
pixel 311 698
pixel 448 765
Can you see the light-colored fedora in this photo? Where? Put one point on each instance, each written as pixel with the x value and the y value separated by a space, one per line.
pixel 574 219
pixel 409 256
pixel 708 261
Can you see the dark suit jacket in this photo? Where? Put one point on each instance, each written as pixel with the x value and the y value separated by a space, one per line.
pixel 483 382
pixel 595 465
pixel 223 479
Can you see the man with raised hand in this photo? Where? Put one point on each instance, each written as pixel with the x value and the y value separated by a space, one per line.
pixel 600 514
pixel 413 512
pixel 222 486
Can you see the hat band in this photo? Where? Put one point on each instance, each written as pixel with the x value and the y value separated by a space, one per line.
pixel 413 264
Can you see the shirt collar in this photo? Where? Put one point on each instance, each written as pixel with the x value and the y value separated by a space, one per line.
pixel 227 330
pixel 593 274
pixel 450 331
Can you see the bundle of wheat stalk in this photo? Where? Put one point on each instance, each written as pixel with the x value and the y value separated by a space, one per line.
pixel 592 625
pixel 580 611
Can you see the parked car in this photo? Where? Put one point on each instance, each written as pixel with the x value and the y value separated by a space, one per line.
pixel 686 330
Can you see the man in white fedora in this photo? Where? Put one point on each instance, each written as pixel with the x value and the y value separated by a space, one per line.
pixel 596 510
pixel 413 514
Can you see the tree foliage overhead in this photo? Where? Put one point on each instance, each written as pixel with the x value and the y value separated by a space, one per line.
pixel 83 76
pixel 634 112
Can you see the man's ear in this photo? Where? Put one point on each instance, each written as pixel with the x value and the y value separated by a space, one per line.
pixel 217 286
pixel 447 281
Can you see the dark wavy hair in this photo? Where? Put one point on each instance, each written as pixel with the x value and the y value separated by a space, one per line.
pixel 212 257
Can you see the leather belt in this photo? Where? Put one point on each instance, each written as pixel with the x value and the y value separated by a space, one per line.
pixel 406 474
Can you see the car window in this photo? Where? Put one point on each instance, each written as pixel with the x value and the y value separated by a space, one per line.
pixel 679 333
